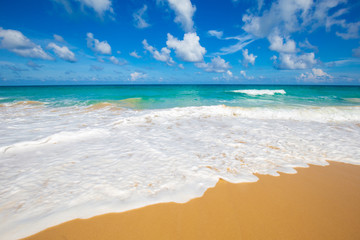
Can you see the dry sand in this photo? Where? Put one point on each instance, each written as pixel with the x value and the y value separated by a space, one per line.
pixel 316 203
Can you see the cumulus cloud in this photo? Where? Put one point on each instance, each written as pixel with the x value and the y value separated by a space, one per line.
pixel 134 54
pixel 97 46
pixel 116 61
pixel 100 6
pixel 184 12
pixel 284 14
pixel 58 38
pixel 139 18
pixel 217 64
pixel 289 16
pixel 279 44
pixel 243 73
pixel 293 61
pixel 136 76
pixel 62 52
pixel 288 57
pixel 356 52
pixel 283 17
pixel 16 42
pixel 248 58
pixel 215 33
pixel 316 75
pixel 163 55
pixel 188 49
pixel 228 75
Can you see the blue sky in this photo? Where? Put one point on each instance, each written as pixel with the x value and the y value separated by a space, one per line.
pixel 179 41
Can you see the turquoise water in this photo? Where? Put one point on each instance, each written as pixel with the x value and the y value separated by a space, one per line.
pixel 168 96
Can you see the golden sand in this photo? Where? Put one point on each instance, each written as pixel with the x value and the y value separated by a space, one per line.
pixel 316 203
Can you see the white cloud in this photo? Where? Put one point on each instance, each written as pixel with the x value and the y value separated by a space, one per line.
pixel 229 73
pixel 62 52
pixel 293 61
pixel 97 46
pixel 139 19
pixel 181 66
pixel 163 55
pixel 321 16
pixel 99 6
pixel 279 44
pixel 316 76
pixel 283 14
pixel 136 76
pixel 248 58
pixel 319 72
pixel 260 4
pixel 217 64
pixel 66 5
pixel 288 16
pixel 58 38
pixel 189 49
pixel 306 44
pixel 116 61
pixel 34 52
pixel 243 73
pixel 243 41
pixel 184 12
pixel 134 54
pixel 214 33
pixel 356 52
pixel 284 17
pixel 352 30
pixel 16 42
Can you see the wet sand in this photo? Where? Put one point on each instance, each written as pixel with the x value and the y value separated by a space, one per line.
pixel 316 203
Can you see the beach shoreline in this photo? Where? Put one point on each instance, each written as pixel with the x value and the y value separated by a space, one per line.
pixel 315 203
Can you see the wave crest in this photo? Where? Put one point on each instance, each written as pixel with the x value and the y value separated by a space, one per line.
pixel 255 92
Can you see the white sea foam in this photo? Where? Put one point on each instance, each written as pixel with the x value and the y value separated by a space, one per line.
pixel 58 164
pixel 255 92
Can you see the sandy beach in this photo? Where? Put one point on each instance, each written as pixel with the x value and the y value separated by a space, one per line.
pixel 316 203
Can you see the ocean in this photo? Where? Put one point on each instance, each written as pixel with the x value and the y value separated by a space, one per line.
pixel 71 152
